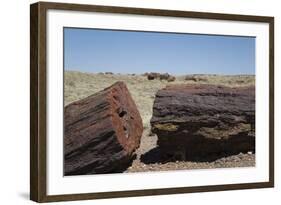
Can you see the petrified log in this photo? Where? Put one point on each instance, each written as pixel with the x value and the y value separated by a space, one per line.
pixel 197 120
pixel 152 76
pixel 164 76
pixel 196 78
pixel 101 132
pixel 171 78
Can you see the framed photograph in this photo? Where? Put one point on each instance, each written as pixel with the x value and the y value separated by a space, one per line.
pixel 135 102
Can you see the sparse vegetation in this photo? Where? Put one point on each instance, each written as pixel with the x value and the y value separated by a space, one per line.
pixel 78 85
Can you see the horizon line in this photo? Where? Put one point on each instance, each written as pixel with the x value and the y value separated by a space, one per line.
pixel 73 70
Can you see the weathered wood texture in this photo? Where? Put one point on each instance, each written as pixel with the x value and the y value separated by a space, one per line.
pixel 101 132
pixel 196 120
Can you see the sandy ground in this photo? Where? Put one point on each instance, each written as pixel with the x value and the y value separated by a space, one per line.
pixel 79 85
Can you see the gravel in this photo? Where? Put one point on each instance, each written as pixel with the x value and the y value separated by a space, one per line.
pixel 79 85
pixel 148 155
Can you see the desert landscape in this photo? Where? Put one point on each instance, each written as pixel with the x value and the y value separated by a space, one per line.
pixel 143 89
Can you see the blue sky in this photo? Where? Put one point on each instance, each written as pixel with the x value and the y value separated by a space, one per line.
pixel 95 50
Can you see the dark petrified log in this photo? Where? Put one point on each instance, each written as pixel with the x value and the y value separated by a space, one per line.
pixel 171 78
pixel 101 132
pixel 152 76
pixel 164 76
pixel 197 120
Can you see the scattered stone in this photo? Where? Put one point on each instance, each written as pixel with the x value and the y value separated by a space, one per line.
pixel 164 76
pixel 160 76
pixel 196 78
pixel 171 78
pixel 152 76
pixel 190 78
pixel 101 132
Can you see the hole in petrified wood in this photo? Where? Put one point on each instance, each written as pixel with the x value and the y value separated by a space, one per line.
pixel 124 119
pixel 122 113
pixel 126 131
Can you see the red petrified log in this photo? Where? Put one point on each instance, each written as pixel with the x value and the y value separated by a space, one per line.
pixel 101 132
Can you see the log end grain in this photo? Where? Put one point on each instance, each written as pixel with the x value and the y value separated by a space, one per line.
pixel 101 132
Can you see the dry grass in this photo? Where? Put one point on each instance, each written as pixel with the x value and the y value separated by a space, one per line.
pixel 79 85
